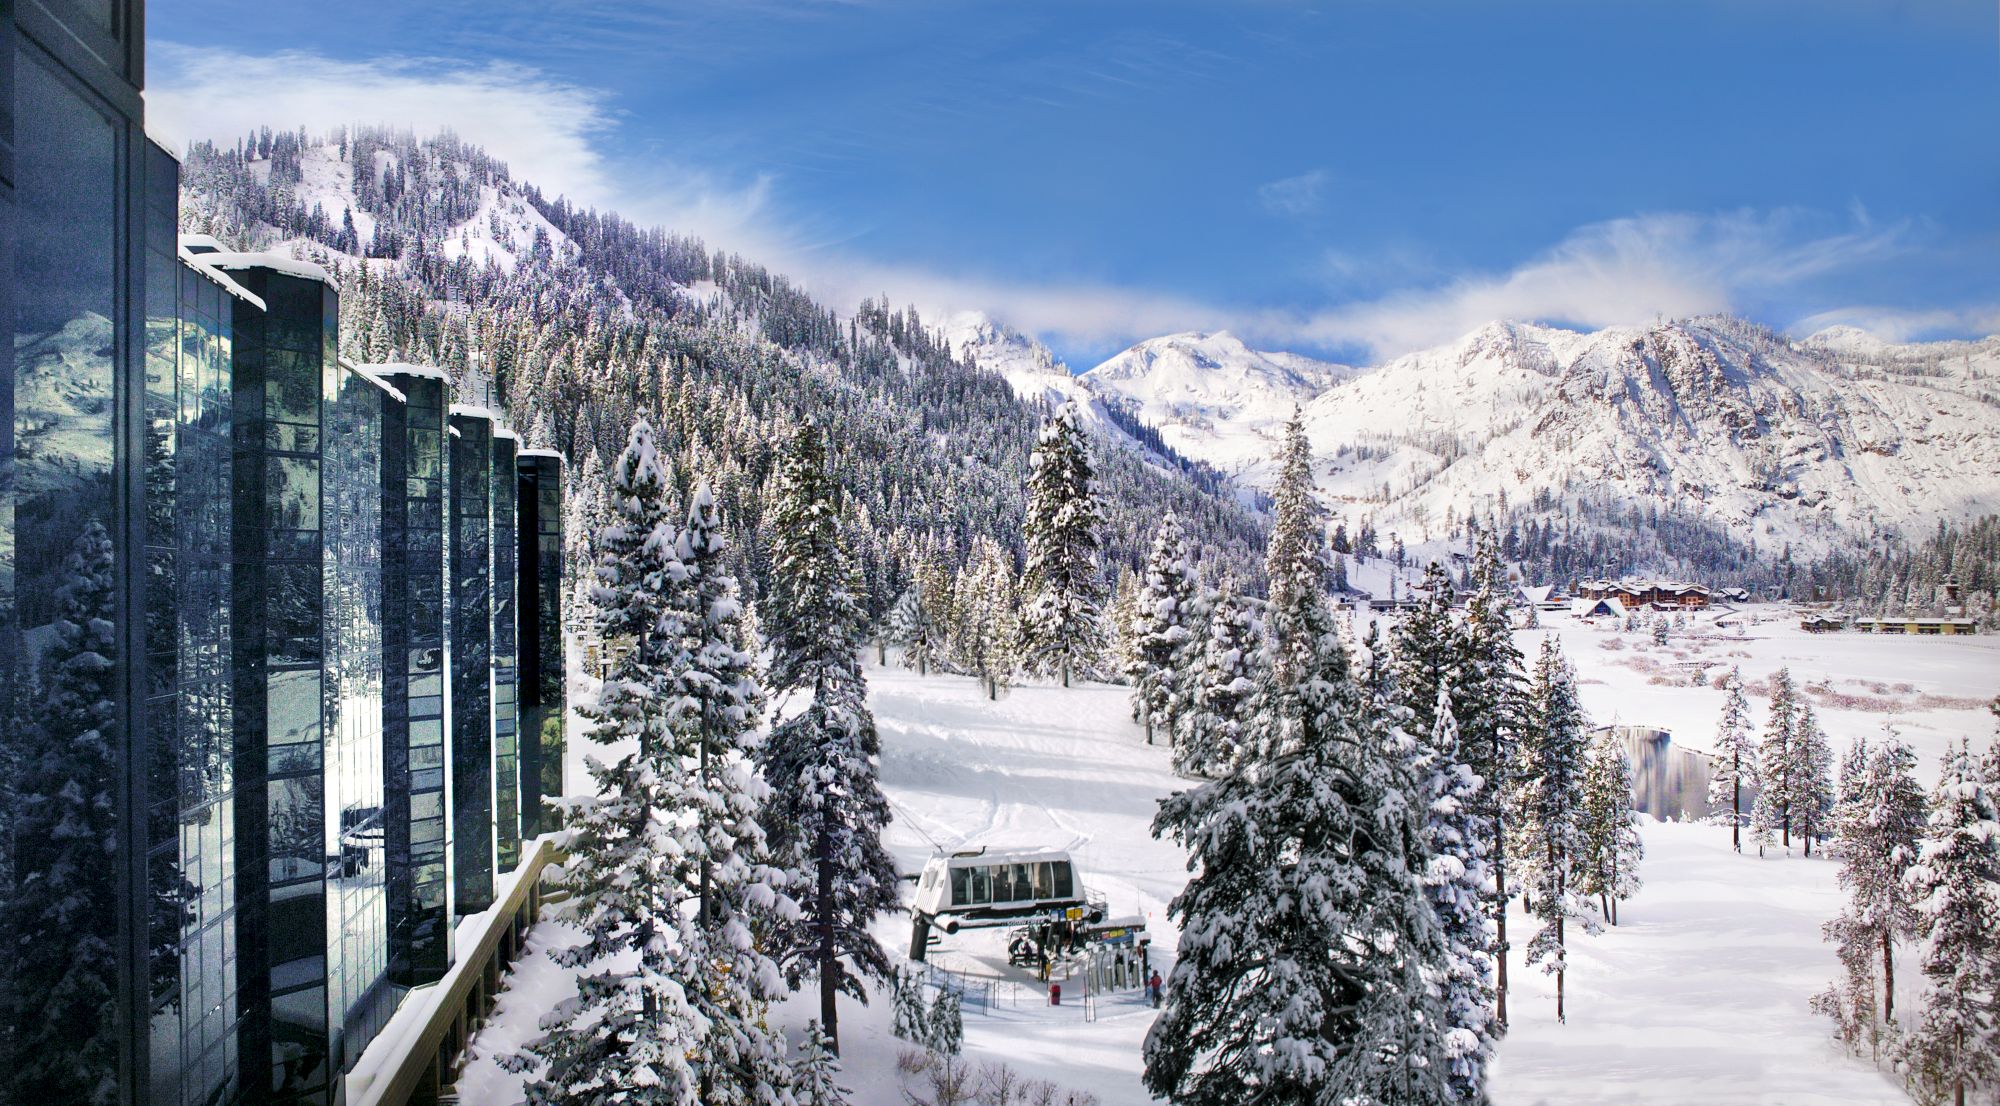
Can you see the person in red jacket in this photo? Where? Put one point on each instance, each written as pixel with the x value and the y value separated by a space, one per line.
pixel 1153 986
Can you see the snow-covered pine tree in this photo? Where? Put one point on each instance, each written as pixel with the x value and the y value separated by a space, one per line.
pixel 1210 736
pixel 1879 843
pixel 989 624
pixel 631 1030
pixel 61 1037
pixel 1955 1046
pixel 1062 626
pixel 1159 631
pixel 1491 708
pixel 1455 880
pixel 1428 649
pixel 1777 801
pixel 1811 778
pixel 815 1077
pixel 1307 945
pixel 1547 832
pixel 827 809
pixel 1118 614
pixel 1611 827
pixel 1735 764
pixel 738 892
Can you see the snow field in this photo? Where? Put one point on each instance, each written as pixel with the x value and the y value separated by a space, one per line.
pixel 1699 996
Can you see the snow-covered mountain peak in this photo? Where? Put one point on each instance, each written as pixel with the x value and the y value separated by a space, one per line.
pixel 1213 391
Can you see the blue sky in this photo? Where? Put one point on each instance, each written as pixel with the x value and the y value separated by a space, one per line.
pixel 1355 179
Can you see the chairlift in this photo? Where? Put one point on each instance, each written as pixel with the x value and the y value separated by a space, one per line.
pixel 985 888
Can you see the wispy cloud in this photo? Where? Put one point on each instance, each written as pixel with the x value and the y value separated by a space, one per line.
pixel 550 132
pixel 1898 324
pixel 1293 196
pixel 1617 272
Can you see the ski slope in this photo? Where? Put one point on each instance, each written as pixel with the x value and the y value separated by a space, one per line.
pixel 1699 996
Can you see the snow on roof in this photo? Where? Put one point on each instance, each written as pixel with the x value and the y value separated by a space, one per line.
pixel 199 263
pixel 405 368
pixel 474 411
pixel 202 243
pixel 505 432
pixel 986 856
pixel 555 453
pixel 290 266
pixel 368 373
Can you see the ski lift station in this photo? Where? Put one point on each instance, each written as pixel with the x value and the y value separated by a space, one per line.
pixel 986 887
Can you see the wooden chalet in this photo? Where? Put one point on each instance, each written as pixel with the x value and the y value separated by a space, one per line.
pixel 1656 594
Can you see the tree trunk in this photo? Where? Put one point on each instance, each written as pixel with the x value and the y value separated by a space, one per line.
pixel 1065 672
pixel 882 651
pixel 923 665
pixel 1562 947
pixel 1888 976
pixel 829 965
pixel 1147 717
pixel 1736 810
pixel 1500 942
pixel 1787 821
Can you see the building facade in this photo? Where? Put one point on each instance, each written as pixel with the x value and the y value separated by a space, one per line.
pixel 470 537
pixel 543 698
pixel 415 650
pixel 226 651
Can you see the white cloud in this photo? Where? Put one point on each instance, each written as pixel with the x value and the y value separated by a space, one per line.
pixel 550 133
pixel 1293 196
pixel 1618 272
pixel 1900 324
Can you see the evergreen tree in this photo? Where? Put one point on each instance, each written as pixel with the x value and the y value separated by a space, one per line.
pixel 1611 827
pixel 1491 709
pixel 1777 802
pixel 1735 764
pixel 1547 835
pixel 59 1037
pixel 989 626
pixel 910 625
pixel 1812 778
pixel 827 809
pixel 1159 631
pixel 816 1073
pixel 738 892
pixel 1307 947
pixel 629 1034
pixel 1877 847
pixel 1455 880
pixel 1428 648
pixel 1955 1046
pixel 1210 737
pixel 1061 622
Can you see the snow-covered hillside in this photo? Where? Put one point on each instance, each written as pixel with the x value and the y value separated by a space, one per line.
pixel 1819 444
pixel 1700 995
pixel 1224 400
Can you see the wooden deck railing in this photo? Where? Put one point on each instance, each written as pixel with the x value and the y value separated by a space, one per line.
pixel 423 1048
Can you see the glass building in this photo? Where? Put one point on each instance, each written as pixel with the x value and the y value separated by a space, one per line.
pixel 416 704
pixel 539 522
pixel 474 839
pixel 187 714
pixel 264 619
pixel 506 644
pixel 74 991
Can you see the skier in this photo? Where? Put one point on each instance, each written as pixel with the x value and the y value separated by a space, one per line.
pixel 1055 994
pixel 1153 986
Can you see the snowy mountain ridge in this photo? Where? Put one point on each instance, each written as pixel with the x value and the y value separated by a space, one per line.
pixel 1820 444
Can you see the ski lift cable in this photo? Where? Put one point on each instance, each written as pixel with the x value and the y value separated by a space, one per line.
pixel 911 821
